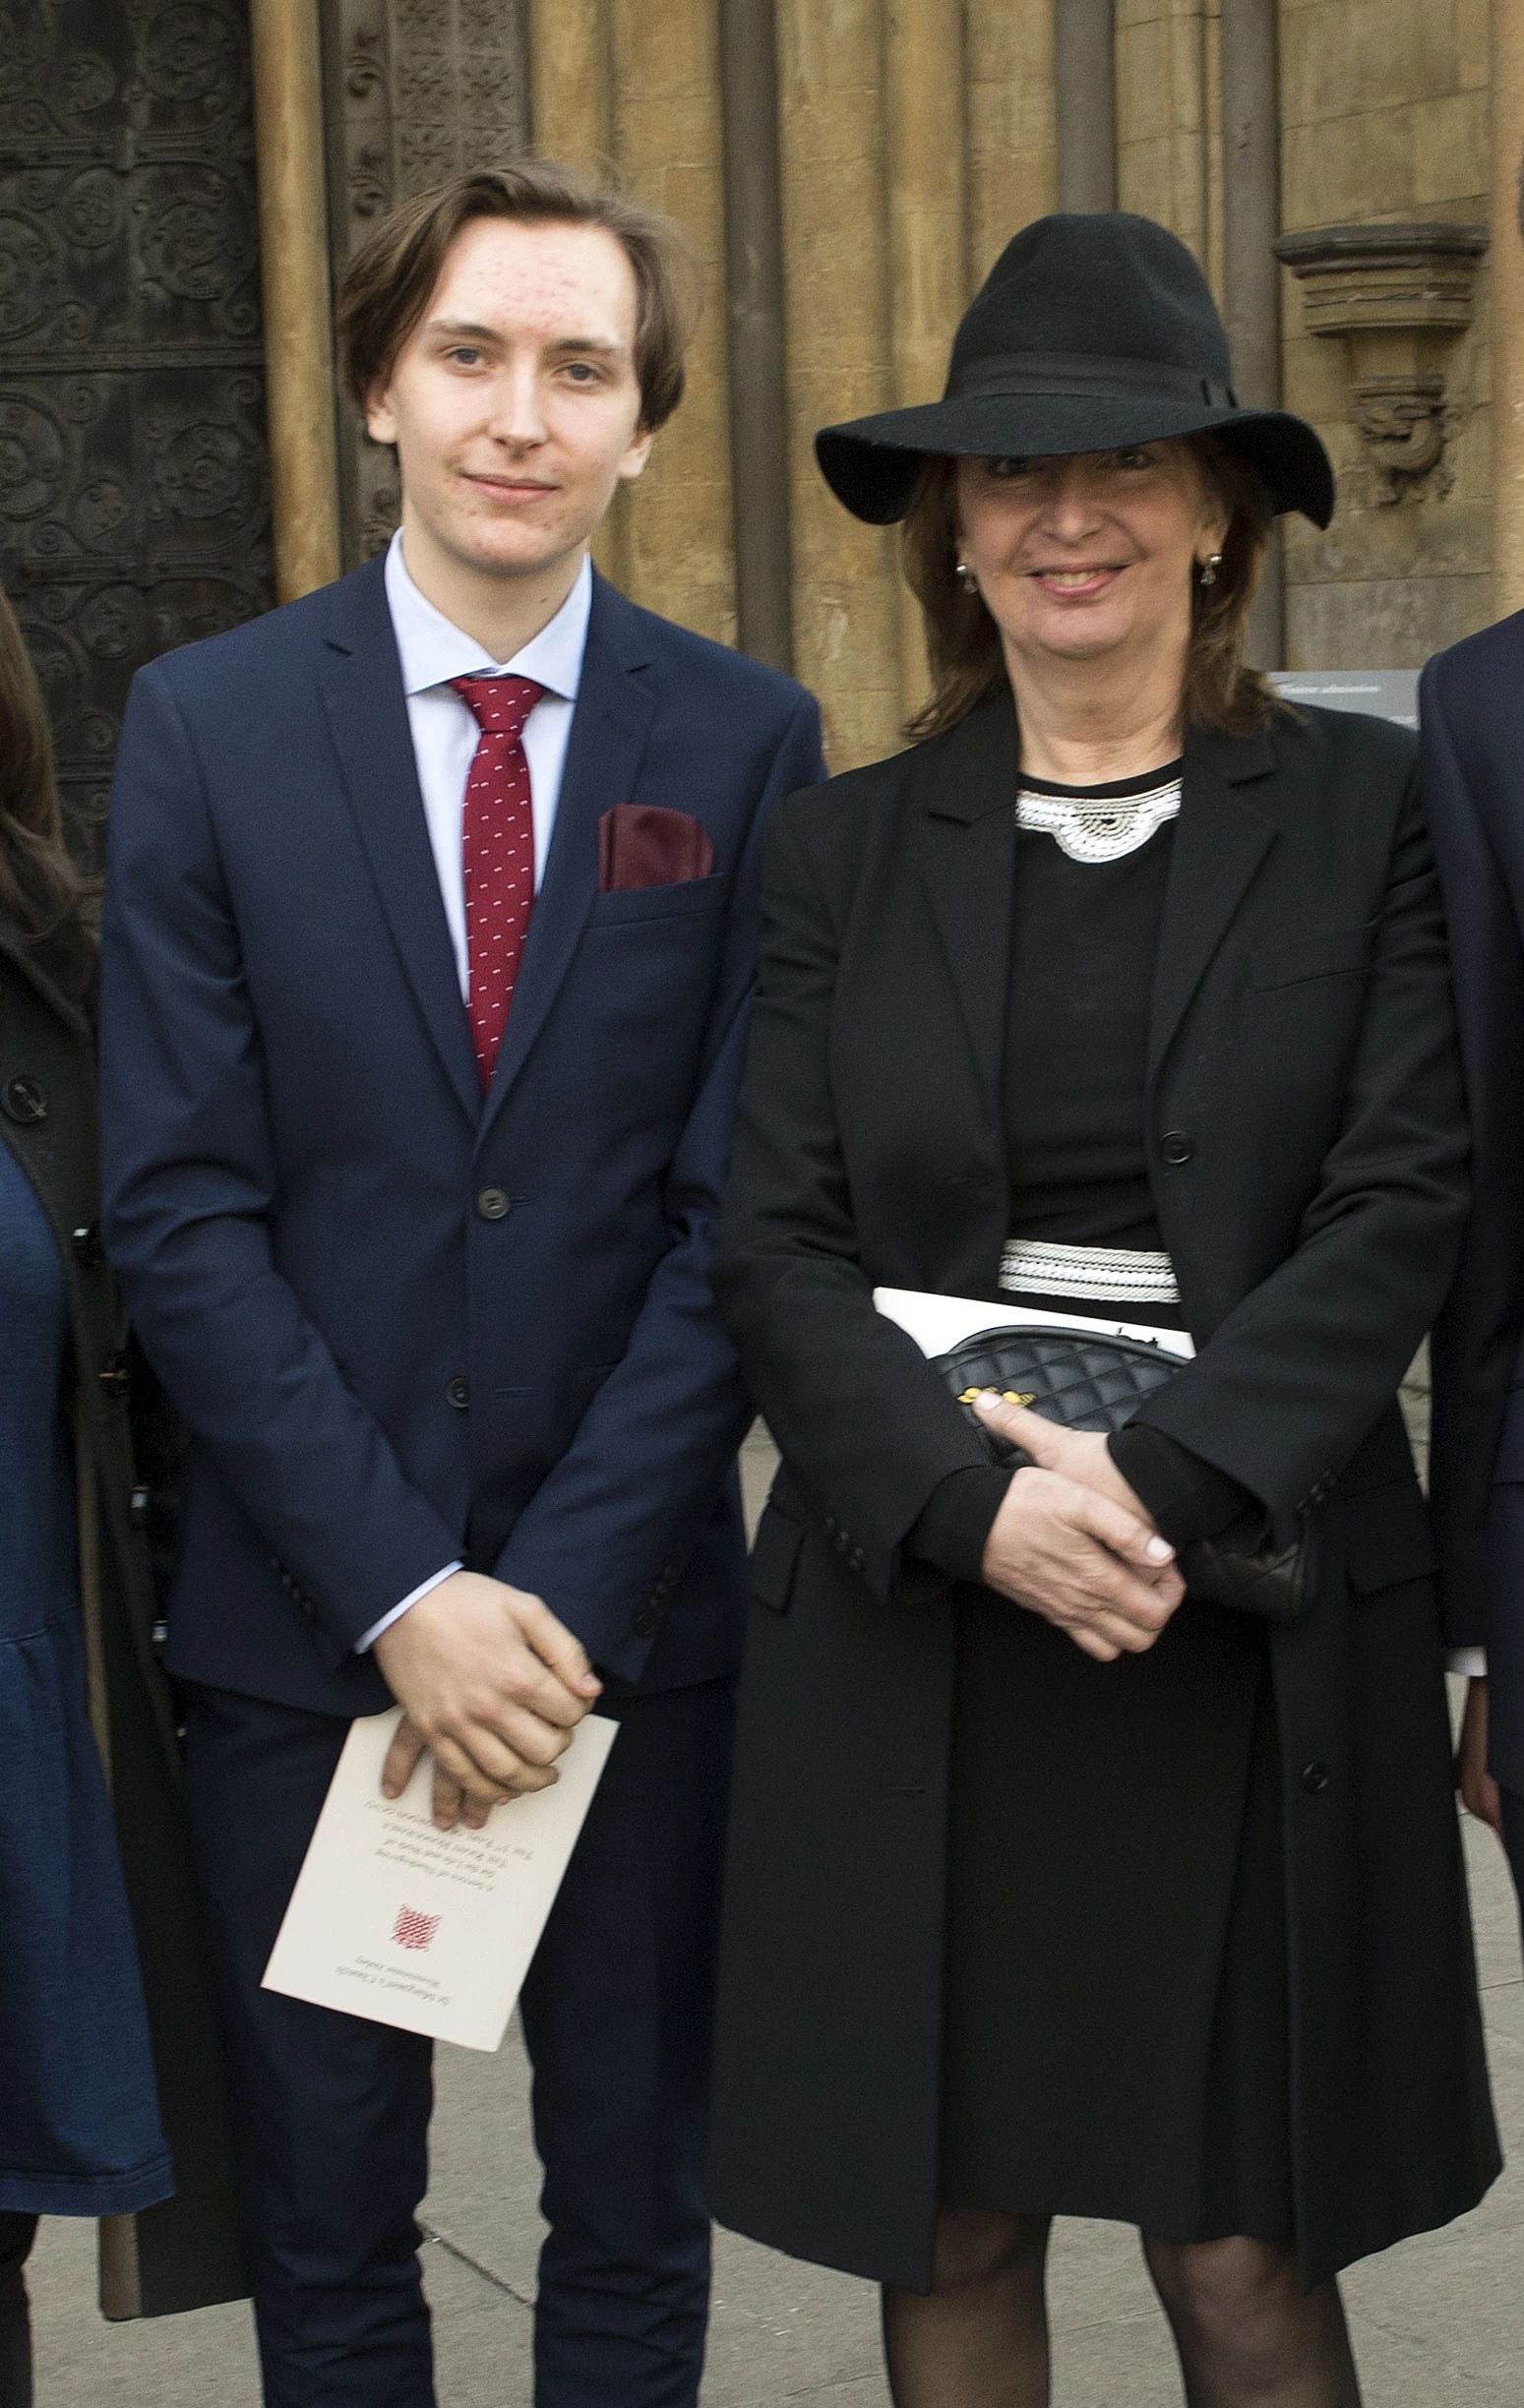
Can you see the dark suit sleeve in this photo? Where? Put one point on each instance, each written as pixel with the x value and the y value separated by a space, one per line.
pixel 1477 1339
pixel 190 1194
pixel 1295 1376
pixel 610 1529
pixel 858 1412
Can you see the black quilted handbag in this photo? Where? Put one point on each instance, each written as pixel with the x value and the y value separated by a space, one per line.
pixel 1085 1381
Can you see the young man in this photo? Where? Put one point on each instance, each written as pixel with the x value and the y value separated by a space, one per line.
pixel 1472 719
pixel 427 946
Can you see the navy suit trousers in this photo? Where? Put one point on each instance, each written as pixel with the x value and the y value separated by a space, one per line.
pixel 332 2111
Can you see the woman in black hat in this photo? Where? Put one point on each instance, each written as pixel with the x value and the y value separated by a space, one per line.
pixel 1056 1887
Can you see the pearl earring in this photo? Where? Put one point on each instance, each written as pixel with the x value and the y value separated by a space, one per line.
pixel 1209 568
pixel 966 577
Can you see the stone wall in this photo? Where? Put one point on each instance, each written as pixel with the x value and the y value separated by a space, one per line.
pixel 914 138
pixel 1384 116
pixel 1169 161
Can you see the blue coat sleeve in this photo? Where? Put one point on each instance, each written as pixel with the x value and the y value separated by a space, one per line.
pixel 190 1182
pixel 1477 1339
pixel 611 1528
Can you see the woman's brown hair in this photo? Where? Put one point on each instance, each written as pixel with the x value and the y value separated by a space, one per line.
pixel 384 288
pixel 43 895
pixel 963 643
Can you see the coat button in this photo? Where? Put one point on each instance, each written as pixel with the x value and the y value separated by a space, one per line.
pixel 114 1376
pixel 458 1393
pixel 87 1249
pixel 1315 1778
pixel 25 1099
pixel 643 1621
pixel 1177 1147
pixel 494 1204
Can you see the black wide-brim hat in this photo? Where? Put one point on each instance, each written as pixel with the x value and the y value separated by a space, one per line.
pixel 1088 334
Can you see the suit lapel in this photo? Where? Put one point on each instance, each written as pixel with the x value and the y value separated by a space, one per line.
pixel 968 791
pixel 1220 841
pixel 367 711
pixel 609 729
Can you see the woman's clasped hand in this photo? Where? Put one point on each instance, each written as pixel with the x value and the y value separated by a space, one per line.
pixel 1073 1543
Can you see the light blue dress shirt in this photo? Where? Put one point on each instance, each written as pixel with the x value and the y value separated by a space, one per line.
pixel 433 650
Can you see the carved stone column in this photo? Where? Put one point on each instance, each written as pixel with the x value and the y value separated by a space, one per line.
pixel 1085 73
pixel 415 90
pixel 294 271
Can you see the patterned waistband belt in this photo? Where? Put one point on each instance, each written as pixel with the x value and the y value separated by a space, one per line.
pixel 1110 1274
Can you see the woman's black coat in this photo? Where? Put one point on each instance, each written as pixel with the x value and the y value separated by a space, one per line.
pixel 1307 1152
pixel 184 2254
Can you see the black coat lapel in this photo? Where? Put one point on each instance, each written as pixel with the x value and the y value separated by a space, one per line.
pixel 966 787
pixel 614 706
pixel 1220 841
pixel 367 710
pixel 17 951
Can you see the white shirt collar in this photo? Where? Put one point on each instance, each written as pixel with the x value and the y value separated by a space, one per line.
pixel 433 649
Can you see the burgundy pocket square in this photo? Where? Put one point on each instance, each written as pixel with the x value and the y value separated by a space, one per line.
pixel 641 845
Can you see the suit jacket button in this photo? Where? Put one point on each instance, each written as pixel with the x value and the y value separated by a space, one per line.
pixel 459 1394
pixel 87 1246
pixel 1315 1778
pixel 25 1099
pixel 494 1204
pixel 643 1621
pixel 114 1376
pixel 1177 1147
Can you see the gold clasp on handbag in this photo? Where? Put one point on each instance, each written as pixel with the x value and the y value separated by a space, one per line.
pixel 1008 1396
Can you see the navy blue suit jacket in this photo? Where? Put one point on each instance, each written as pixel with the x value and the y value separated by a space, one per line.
pixel 378 1374
pixel 1472 707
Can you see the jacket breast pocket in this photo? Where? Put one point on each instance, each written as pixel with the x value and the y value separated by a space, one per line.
pixel 682 899
pixel 774 1554
pixel 1329 953
pixel 1387 1539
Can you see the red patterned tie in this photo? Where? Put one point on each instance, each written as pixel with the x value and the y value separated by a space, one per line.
pixel 497 841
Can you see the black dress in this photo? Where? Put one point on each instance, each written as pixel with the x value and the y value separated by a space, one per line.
pixel 1116 2036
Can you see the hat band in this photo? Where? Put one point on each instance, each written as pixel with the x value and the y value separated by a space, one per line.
pixel 1082 372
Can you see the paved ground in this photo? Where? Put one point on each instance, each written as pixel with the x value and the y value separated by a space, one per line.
pixel 1439 2323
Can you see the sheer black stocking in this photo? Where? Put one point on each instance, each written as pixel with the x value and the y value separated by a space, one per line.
pixel 980 2338
pixel 16 2233
pixel 1247 2334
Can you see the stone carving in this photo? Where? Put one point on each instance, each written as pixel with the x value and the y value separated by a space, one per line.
pixel 1397 296
pixel 1405 424
pixel 370 183
pixel 133 505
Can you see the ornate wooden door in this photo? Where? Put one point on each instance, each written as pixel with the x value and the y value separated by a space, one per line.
pixel 134 512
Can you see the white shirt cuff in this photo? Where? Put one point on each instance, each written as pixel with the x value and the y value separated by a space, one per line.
pixel 1470 1663
pixel 363 1646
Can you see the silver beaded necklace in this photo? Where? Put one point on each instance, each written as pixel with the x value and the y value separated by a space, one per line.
pixel 1102 829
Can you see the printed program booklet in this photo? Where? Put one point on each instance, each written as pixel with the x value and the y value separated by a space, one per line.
pixel 430 1930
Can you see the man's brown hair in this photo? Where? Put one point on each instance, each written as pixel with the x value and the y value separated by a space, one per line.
pixel 963 642
pixel 384 288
